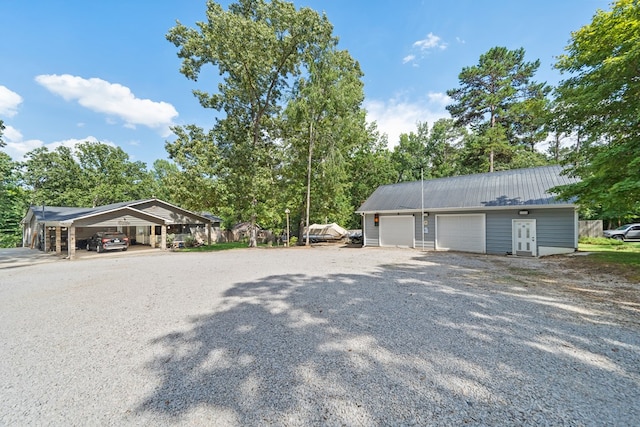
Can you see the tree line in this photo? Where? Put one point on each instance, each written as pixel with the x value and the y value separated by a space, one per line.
pixel 292 131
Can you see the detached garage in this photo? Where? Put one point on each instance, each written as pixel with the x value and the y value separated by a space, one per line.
pixel 506 212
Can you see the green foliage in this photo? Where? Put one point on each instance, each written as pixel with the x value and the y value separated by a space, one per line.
pixel 600 241
pixel 215 247
pixel 94 174
pixel 599 102
pixel 13 202
pixel 324 122
pixel 502 104
pixel 409 157
pixel 370 166
pixel 194 178
pixel 258 47
pixel 2 143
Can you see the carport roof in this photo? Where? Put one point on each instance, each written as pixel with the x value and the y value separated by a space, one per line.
pixel 61 214
pixel 517 188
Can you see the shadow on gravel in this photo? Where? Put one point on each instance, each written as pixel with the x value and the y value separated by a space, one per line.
pixel 400 346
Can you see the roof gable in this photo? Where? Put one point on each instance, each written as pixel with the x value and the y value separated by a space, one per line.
pixel 154 209
pixel 517 187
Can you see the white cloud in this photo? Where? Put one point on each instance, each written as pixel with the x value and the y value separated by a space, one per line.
pixel 112 99
pixel 431 42
pixel 397 116
pixel 9 102
pixel 422 48
pixel 408 58
pixel 17 147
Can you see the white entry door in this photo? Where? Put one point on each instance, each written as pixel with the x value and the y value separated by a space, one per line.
pixel 524 237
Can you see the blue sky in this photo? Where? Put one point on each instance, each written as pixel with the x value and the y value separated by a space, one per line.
pixel 102 70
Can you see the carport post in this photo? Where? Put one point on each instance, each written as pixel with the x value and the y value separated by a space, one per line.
pixel 71 241
pixel 152 236
pixel 71 238
pixel 163 237
pixel 58 240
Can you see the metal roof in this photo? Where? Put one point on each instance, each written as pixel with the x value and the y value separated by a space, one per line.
pixel 516 187
pixel 52 214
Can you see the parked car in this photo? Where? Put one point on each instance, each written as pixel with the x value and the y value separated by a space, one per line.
pixel 108 241
pixel 627 232
pixel 355 237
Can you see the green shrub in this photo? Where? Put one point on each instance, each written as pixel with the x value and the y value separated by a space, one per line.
pixel 293 240
pixel 603 241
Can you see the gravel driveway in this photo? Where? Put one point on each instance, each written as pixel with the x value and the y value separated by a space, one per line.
pixel 320 336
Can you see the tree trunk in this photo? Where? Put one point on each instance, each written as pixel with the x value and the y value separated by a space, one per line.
pixel 253 241
pixel 309 180
pixel 491 160
pixel 493 125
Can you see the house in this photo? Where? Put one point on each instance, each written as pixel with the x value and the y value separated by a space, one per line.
pixel 507 212
pixel 146 222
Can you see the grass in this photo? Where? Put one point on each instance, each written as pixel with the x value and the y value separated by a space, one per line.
pixel 218 247
pixel 613 255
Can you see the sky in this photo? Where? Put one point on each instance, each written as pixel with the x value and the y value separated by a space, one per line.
pixel 78 70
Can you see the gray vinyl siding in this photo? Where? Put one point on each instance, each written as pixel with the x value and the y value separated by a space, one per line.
pixel 499 230
pixel 372 233
pixel 554 228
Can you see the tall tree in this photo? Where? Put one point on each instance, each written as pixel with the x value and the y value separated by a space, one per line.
pixel 443 147
pixel 194 178
pixel 499 100
pixel 13 202
pixel 599 100
pixel 257 47
pixel 370 167
pixel 409 157
pixel 326 121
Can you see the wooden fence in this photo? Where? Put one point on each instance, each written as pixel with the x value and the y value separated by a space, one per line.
pixel 590 228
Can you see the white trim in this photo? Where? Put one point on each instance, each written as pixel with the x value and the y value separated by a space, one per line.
pixel 472 208
pixel 533 236
pixel 551 250
pixel 110 211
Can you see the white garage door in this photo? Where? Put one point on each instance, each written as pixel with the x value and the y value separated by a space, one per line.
pixel 464 233
pixel 397 230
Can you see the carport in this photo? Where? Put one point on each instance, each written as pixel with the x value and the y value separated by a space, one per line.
pixel 49 227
